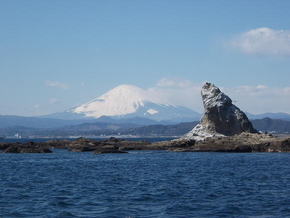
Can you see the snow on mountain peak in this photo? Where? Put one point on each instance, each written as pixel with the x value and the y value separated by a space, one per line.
pixel 122 100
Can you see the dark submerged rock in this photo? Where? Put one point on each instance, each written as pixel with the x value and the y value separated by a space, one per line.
pixel 108 149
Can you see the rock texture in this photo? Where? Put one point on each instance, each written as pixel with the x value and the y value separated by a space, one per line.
pixel 29 147
pixel 111 145
pixel 245 142
pixel 221 116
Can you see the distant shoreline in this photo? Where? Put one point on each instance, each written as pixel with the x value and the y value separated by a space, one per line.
pixel 91 137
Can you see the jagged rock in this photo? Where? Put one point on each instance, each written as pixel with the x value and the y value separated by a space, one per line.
pixel 58 144
pixel 221 117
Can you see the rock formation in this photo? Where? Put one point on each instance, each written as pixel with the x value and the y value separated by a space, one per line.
pixel 221 117
pixel 111 145
pixel 28 147
pixel 245 142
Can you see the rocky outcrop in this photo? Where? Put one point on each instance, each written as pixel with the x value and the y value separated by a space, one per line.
pixel 4 145
pixel 111 145
pixel 29 147
pixel 108 149
pixel 221 116
pixel 245 142
pixel 225 128
pixel 174 145
pixel 58 144
pixel 82 144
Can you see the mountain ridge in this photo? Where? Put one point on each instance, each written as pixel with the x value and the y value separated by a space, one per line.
pixel 279 115
pixel 127 101
pixel 123 129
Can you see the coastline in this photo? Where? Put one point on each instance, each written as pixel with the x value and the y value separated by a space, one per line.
pixel 245 142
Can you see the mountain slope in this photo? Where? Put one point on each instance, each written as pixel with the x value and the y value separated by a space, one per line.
pixel 122 100
pixel 127 101
pixel 272 125
pixel 105 128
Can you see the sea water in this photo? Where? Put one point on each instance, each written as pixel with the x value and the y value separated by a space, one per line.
pixel 145 184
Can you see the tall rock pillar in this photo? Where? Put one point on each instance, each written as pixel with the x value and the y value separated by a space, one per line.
pixel 221 117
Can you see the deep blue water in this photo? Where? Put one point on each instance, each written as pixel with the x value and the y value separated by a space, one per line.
pixel 145 184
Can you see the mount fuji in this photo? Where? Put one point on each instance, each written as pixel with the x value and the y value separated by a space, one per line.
pixel 128 101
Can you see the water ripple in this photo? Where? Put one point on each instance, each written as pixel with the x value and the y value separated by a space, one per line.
pixel 145 184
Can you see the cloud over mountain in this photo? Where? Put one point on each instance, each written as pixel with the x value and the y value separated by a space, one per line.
pixel 263 41
pixel 176 82
pixel 56 84
pixel 179 92
pixel 260 98
pixel 255 99
pixel 128 101
pixel 54 100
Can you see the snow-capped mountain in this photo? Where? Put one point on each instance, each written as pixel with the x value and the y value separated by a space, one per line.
pixel 127 101
pixel 120 101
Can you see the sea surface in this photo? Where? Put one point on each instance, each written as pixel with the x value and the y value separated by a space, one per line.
pixel 145 184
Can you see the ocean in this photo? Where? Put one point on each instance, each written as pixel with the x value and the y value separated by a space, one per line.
pixel 145 184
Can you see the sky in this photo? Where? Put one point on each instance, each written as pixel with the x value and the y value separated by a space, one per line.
pixel 58 54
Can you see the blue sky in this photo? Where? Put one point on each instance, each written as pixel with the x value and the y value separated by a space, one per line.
pixel 55 55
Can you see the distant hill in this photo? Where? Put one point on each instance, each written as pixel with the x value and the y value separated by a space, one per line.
pixel 271 125
pixel 134 129
pixel 46 123
pixel 36 122
pixel 281 116
pixel 101 129
pixel 163 130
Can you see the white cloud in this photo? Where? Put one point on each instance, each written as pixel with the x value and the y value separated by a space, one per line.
pixel 260 99
pixel 262 87
pixel 97 49
pixel 54 100
pixel 56 84
pixel 253 99
pixel 176 82
pixel 179 92
pixel 286 90
pixel 251 89
pixel 263 41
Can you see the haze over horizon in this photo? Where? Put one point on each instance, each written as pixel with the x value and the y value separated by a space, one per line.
pixel 55 55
